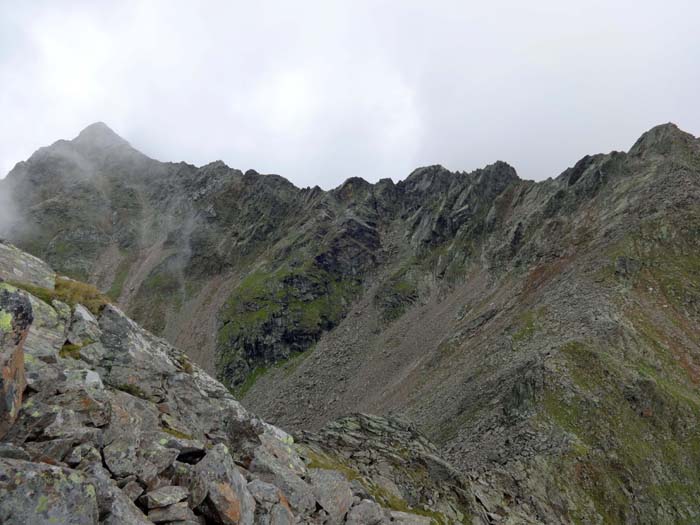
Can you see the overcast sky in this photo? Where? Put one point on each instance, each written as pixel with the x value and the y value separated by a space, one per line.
pixel 321 91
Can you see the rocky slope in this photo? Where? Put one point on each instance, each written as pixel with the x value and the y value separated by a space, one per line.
pixel 543 335
pixel 105 423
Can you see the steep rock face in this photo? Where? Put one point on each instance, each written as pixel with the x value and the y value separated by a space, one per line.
pixel 116 426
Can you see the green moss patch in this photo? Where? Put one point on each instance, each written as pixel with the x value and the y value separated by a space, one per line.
pixel 176 433
pixel 527 325
pixel 70 350
pixel 120 278
pixel 288 366
pixel 631 433
pixel 242 389
pixel 134 390
pixel 271 317
pixel 395 296
pixel 160 292
pixel 5 321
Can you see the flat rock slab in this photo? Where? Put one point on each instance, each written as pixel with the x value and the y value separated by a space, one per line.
pixel 177 512
pixel 46 334
pixel 365 513
pixel 18 266
pixel 164 496
pixel 332 490
pixel 409 519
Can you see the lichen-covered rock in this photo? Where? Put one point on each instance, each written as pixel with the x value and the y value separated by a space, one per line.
pixel 46 335
pixel 16 317
pixel 228 500
pixel 84 328
pixel 281 515
pixel 270 466
pixel 19 266
pixel 45 495
pixel 332 491
pixel 176 512
pixel 133 361
pixel 391 459
pixel 114 506
pixel 365 513
pixel 164 496
pixel 10 451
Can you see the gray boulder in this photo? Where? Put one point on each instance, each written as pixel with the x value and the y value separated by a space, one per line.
pixel 367 512
pixel 270 466
pixel 84 328
pixel 228 500
pixel 177 512
pixel 114 506
pixel 332 491
pixel 165 496
pixel 19 266
pixel 39 494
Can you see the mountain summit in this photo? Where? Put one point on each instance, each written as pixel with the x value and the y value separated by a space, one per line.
pixel 665 139
pixel 544 335
pixel 98 135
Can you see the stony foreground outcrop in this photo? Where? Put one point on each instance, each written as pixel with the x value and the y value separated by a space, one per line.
pixel 103 422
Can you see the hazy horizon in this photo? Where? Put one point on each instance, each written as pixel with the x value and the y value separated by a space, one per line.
pixel 319 92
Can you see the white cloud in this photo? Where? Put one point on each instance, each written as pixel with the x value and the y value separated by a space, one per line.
pixel 319 91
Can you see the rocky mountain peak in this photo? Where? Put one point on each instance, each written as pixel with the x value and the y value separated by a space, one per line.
pixel 98 136
pixel 664 139
pixel 427 171
pixel 498 173
pixel 354 188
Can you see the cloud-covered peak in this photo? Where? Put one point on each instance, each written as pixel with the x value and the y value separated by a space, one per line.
pixel 99 135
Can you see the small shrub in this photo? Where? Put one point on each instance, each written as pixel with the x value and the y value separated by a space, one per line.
pixel 74 292
pixel 70 292
pixel 134 390
pixel 176 433
pixel 185 363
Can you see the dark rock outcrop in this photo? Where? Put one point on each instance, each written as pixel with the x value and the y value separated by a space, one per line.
pixel 15 318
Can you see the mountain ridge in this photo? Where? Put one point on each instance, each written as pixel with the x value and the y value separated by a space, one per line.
pixel 532 330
